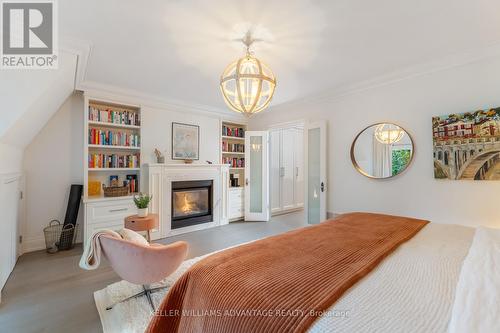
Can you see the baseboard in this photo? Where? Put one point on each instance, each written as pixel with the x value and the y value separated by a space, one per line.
pixel 332 215
pixel 34 243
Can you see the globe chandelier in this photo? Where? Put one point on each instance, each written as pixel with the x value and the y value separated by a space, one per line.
pixel 247 84
pixel 388 133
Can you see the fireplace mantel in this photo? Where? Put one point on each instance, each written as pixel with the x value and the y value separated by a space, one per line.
pixel 160 178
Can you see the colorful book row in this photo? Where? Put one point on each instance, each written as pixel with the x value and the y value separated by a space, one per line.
pixel 233 147
pixel 234 162
pixel 98 161
pixel 231 131
pixel 113 138
pixel 114 117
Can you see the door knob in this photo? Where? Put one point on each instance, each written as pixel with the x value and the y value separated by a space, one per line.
pixel 246 181
pixel 322 187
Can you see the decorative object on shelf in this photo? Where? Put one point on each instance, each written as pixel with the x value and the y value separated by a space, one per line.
pixel 115 191
pixel 387 133
pixel 113 181
pixel 466 145
pixel 209 162
pixel 188 161
pixel 159 157
pixel 185 142
pixel 142 202
pixel 375 159
pixel 94 187
pixel 247 84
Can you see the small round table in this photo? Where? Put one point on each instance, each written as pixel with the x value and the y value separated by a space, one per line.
pixel 147 223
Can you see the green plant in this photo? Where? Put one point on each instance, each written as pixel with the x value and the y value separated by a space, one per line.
pixel 142 200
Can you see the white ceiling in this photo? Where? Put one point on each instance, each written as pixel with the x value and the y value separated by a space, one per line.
pixel 178 49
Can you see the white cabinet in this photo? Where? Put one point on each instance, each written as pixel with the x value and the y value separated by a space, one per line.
pixel 287 168
pixel 236 203
pixel 106 213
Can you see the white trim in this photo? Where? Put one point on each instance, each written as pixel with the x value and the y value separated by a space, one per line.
pixel 33 243
pixel 101 91
pixel 82 49
pixel 440 64
pixel 300 123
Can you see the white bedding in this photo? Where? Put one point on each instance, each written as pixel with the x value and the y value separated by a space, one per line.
pixel 412 290
pixel 476 307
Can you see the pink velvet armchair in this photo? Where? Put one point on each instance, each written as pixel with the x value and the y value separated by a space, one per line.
pixel 142 264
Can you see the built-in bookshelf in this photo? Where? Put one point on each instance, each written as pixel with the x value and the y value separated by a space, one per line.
pixel 233 151
pixel 112 146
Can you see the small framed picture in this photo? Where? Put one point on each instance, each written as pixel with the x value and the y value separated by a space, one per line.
pixel 185 142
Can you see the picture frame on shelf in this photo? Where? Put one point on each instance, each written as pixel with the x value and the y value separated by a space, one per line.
pixel 185 141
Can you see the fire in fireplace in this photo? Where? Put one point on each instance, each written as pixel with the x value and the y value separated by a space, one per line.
pixel 191 203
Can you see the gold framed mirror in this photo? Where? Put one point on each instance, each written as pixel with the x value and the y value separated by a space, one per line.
pixel 382 150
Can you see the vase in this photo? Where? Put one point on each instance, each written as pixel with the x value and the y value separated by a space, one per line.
pixel 142 212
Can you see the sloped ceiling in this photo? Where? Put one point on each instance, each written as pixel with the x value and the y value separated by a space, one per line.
pixel 30 98
pixel 178 49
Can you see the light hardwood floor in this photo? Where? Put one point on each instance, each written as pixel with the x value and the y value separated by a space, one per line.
pixel 50 293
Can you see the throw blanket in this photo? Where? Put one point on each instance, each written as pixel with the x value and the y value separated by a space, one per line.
pixel 477 299
pixel 91 257
pixel 281 283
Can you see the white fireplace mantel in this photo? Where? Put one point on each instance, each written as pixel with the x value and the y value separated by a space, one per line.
pixel 160 178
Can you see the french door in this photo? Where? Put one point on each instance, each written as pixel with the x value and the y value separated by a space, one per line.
pixel 257 176
pixel 316 172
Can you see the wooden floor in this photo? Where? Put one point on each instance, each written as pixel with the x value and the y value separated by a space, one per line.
pixel 50 293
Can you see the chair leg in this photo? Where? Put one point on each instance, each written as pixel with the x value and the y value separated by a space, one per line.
pixel 146 292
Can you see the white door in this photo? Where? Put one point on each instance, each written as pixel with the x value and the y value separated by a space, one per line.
pixel 288 169
pixel 275 169
pixel 299 167
pixel 257 176
pixel 316 172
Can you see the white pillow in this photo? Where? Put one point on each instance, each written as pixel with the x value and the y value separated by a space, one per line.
pixel 133 236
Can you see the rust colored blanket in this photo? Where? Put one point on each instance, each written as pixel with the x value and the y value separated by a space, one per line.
pixel 281 283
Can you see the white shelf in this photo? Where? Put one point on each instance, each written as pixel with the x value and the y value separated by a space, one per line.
pixel 104 124
pixel 233 138
pixel 114 169
pixel 232 153
pixel 114 147
pixel 231 168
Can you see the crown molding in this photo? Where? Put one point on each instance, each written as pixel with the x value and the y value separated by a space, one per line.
pixel 129 96
pixel 82 50
pixel 442 64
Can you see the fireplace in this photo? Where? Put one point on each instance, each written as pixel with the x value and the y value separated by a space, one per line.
pixel 192 203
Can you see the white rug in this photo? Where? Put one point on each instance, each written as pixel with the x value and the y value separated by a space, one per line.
pixel 134 315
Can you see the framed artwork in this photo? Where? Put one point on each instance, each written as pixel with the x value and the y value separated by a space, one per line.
pixel 185 142
pixel 467 145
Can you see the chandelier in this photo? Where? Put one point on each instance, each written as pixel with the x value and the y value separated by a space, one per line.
pixel 247 84
pixel 388 133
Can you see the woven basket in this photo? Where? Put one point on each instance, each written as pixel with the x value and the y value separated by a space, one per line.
pixel 59 237
pixel 115 191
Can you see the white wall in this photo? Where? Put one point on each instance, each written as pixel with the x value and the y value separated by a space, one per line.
pixel 410 103
pixel 53 161
pixel 11 159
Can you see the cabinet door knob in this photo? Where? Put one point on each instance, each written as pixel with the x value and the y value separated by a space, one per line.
pixel 117 210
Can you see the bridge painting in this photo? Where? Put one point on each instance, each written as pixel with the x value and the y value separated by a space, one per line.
pixel 467 145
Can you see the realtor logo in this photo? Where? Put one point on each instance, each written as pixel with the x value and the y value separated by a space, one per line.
pixel 28 34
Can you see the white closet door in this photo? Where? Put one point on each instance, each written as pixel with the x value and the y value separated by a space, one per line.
pixel 274 173
pixel 299 167
pixel 288 169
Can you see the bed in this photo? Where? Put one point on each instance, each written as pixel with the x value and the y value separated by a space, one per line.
pixel 411 290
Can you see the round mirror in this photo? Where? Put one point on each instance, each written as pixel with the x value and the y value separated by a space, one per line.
pixel 382 150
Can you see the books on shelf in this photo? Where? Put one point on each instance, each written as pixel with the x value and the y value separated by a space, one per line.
pixel 233 147
pixel 105 115
pixel 234 162
pixel 113 138
pixel 100 161
pixel 132 183
pixel 237 132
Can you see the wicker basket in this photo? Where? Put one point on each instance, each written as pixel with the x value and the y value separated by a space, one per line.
pixel 59 237
pixel 115 191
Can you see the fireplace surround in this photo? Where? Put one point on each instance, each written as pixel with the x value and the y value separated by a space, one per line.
pixel 183 181
pixel 192 203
